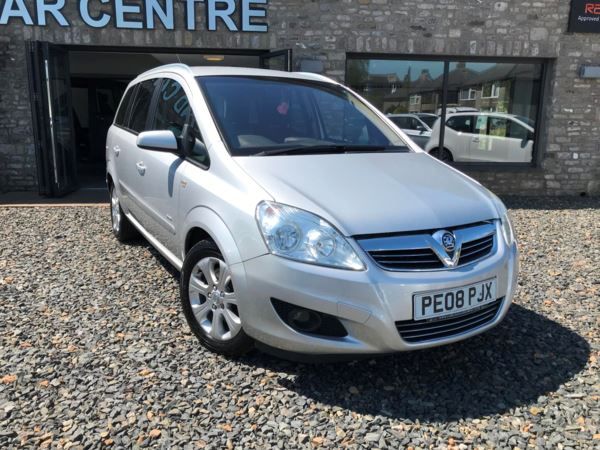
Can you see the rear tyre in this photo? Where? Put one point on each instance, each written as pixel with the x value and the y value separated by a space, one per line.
pixel 122 228
pixel 442 154
pixel 210 303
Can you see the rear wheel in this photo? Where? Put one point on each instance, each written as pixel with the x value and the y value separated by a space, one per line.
pixel 210 303
pixel 122 228
pixel 442 154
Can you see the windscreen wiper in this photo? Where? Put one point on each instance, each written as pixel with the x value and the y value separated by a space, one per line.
pixel 316 149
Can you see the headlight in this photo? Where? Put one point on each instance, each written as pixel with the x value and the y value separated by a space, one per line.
pixel 297 234
pixel 505 221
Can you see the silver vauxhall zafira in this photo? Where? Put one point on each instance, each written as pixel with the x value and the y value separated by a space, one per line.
pixel 301 218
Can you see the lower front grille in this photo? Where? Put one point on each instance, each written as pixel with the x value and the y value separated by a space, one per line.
pixel 427 330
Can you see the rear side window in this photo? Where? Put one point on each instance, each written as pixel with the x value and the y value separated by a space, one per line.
pixel 402 122
pixel 462 124
pixel 124 107
pixel 141 105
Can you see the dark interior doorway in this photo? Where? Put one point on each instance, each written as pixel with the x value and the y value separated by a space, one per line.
pixel 75 94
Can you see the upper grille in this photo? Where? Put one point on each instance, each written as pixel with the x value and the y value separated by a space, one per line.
pixel 476 249
pixel 416 251
pixel 421 331
pixel 411 259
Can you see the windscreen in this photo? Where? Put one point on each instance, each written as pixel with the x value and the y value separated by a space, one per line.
pixel 261 114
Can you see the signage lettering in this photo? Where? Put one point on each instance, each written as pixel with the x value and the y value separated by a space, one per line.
pixel 592 8
pixel 94 22
pixel 16 9
pixel 585 16
pixel 232 15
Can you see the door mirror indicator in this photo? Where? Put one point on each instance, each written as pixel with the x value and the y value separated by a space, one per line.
pixel 159 140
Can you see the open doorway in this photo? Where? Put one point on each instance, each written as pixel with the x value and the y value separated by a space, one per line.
pixel 75 94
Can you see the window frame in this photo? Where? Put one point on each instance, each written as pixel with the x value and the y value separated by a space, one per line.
pixel 494 90
pixel 540 134
pixel 417 99
pixel 469 98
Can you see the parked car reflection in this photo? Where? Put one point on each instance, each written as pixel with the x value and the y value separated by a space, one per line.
pixel 483 137
pixel 416 126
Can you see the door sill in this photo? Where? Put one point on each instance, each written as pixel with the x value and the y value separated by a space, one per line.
pixel 164 251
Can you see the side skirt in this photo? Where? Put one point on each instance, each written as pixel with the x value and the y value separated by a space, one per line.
pixel 177 263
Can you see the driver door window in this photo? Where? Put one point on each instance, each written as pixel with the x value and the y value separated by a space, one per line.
pixel 173 111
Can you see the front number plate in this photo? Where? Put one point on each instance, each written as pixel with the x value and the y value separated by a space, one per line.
pixel 449 302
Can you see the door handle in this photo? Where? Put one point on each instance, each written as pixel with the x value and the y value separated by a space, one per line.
pixel 141 168
pixel 476 140
pixel 117 150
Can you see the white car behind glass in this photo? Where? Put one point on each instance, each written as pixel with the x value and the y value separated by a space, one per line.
pixel 483 137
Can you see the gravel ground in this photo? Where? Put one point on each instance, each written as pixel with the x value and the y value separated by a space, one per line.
pixel 94 351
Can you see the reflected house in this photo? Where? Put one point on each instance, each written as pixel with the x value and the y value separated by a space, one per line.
pixel 503 87
pixel 377 87
pixel 421 95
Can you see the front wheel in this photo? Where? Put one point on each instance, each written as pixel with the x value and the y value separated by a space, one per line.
pixel 210 303
pixel 442 154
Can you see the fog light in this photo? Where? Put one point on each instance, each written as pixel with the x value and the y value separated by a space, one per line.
pixel 308 321
pixel 304 320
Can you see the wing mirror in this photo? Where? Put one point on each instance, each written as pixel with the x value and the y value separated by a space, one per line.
pixel 158 140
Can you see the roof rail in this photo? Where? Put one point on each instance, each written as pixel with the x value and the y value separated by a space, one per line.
pixel 179 66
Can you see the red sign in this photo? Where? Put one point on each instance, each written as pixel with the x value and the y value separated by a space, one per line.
pixel 585 16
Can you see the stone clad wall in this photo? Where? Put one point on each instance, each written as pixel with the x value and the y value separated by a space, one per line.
pixel 326 30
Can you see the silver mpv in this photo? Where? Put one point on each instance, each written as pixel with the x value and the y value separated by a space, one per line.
pixel 301 218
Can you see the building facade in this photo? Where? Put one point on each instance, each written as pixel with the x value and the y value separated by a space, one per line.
pixel 507 77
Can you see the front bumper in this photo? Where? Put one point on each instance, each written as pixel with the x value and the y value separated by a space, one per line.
pixel 368 303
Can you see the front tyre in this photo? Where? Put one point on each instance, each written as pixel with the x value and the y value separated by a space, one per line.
pixel 210 303
pixel 442 154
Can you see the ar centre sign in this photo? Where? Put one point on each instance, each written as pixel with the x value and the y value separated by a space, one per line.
pixel 233 15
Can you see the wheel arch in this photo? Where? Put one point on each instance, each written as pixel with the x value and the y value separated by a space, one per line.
pixel 444 148
pixel 203 223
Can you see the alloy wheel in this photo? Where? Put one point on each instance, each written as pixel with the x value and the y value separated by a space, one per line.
pixel 213 299
pixel 115 210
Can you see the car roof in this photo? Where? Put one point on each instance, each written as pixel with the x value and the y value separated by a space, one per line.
pixel 481 113
pixel 487 113
pixel 205 71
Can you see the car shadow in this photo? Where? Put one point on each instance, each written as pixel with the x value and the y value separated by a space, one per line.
pixel 525 357
pixel 169 268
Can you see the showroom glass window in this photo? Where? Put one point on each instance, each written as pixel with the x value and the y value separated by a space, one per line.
pixel 491 108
